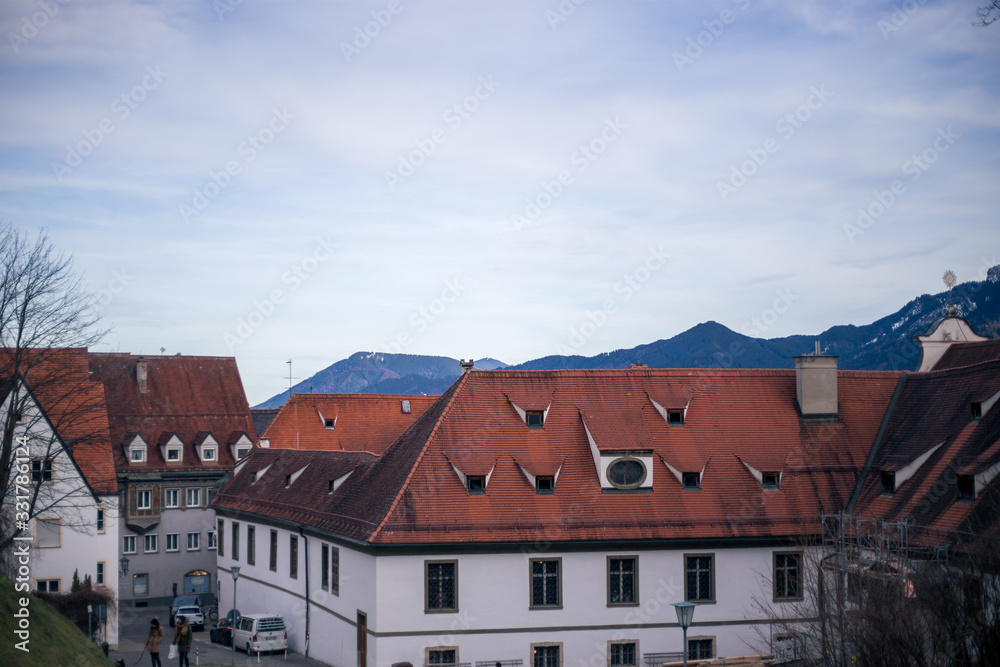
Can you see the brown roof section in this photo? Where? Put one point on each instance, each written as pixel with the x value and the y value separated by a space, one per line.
pixel 186 395
pixel 959 355
pixel 75 406
pixel 363 422
pixel 412 494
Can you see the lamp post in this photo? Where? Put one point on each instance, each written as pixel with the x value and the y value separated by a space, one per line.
pixel 685 614
pixel 124 565
pixel 232 641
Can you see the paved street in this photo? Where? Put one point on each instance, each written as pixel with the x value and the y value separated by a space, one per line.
pixel 135 626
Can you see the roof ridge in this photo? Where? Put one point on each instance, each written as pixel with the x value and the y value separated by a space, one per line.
pixel 416 464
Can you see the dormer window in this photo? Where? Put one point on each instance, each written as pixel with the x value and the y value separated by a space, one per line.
pixel 966 487
pixel 770 480
pixel 545 484
pixel 691 481
pixel 173 454
pixel 888 482
pixel 675 417
pixel 977 410
pixel 241 453
pixel 329 424
pixel 288 481
pixel 331 486
pixel 405 407
pixel 137 455
pixel 626 473
pixel 534 418
pixel 476 484
pixel 208 454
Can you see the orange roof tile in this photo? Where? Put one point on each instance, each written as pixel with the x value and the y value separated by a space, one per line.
pixel 363 422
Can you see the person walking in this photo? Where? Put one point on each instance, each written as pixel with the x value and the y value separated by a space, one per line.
pixel 182 637
pixel 153 640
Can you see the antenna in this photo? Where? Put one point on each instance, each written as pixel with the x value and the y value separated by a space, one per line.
pixel 950 279
pixel 290 378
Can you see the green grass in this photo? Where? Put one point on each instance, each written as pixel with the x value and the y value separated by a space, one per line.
pixel 54 640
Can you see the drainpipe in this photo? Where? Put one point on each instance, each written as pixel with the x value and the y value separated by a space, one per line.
pixel 305 547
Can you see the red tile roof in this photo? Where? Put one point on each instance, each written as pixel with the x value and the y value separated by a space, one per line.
pixel 411 493
pixel 186 395
pixel 364 422
pixel 75 406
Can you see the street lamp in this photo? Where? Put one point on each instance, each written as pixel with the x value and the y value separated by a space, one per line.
pixel 685 614
pixel 235 569
pixel 124 565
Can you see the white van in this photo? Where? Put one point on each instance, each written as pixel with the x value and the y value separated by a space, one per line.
pixel 259 633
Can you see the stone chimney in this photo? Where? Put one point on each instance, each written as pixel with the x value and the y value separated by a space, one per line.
pixel 816 384
pixel 140 374
pixel 466 365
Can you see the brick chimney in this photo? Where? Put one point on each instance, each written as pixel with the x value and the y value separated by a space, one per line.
pixel 816 384
pixel 466 365
pixel 140 374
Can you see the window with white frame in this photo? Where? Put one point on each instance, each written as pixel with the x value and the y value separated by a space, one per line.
pixel 208 454
pixel 150 543
pixel 137 455
pixel 173 542
pixel 193 541
pixel 128 544
pixel 171 498
pixel 194 497
pixel 100 520
pixel 101 568
pixel 210 543
pixel 144 500
pixel 173 453
pixel 41 471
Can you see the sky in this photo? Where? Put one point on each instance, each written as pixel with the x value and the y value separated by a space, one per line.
pixel 300 181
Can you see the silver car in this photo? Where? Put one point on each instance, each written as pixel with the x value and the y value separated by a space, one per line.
pixel 194 615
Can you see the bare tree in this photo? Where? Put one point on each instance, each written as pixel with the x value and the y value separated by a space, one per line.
pixel 988 14
pixel 47 402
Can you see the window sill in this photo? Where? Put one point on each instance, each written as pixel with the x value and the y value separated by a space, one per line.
pixel 441 611
pixel 623 604
pixel 544 607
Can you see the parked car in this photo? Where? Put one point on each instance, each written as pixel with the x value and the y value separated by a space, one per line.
pixel 194 615
pixel 183 601
pixel 221 633
pixel 260 633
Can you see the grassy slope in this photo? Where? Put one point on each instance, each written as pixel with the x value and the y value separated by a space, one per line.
pixel 54 642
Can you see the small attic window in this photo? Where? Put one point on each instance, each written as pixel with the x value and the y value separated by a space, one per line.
pixel 288 481
pixel 626 473
pixel 977 410
pixel 675 417
pixel 137 455
pixel 330 486
pixel 208 454
pixel 966 487
pixel 405 407
pixel 174 454
pixel 328 424
pixel 534 418
pixel 888 482
pixel 691 480
pixel 545 484
pixel 241 452
pixel 476 484
pixel 19 417
pixel 770 480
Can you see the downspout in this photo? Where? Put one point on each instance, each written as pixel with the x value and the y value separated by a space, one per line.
pixel 305 547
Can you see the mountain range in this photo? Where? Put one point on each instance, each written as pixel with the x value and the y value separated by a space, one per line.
pixel 886 344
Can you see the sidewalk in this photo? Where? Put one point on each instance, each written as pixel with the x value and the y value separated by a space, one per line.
pixel 134 626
